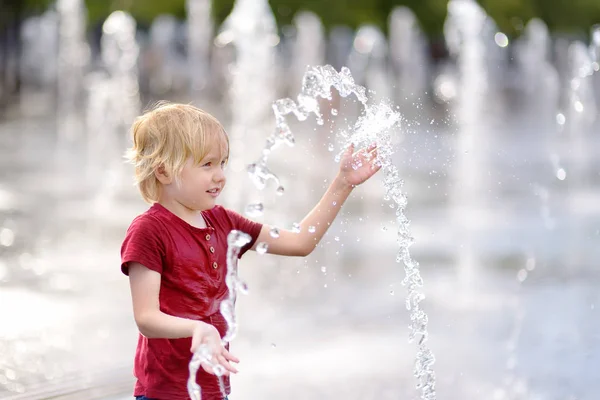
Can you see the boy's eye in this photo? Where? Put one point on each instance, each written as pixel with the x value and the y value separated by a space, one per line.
pixel 208 164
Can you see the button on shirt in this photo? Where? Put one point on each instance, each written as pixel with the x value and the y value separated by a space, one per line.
pixel 192 263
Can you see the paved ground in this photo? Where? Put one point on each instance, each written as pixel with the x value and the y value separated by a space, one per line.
pixel 510 269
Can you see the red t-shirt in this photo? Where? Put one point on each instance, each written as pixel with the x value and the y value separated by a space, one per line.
pixel 193 264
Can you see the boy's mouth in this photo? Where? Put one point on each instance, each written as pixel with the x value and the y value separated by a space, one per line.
pixel 214 192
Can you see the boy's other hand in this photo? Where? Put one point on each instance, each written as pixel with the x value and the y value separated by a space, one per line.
pixel 206 334
pixel 356 168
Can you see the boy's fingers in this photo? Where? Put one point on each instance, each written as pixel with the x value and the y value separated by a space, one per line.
pixel 228 367
pixel 211 370
pixel 230 356
pixel 375 166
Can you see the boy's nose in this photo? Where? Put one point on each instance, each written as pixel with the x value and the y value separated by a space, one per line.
pixel 219 176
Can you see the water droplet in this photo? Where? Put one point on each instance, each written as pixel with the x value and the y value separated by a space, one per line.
pixel 331 147
pixel 578 106
pixel 296 228
pixel 530 264
pixel 262 247
pixel 392 292
pixel 274 232
pixel 325 286
pixel 560 119
pixel 243 286
pixel 218 369
pixel 337 238
pixel 561 174
pixel 384 228
pixel 3 270
pixel 273 345
pixel 334 203
pixel 312 229
pixel 280 190
pixel 334 111
pixel 521 275
pixel 7 237
pixel 254 210
pixel 323 269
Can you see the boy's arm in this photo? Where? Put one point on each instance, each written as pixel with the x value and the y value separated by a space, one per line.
pixel 153 323
pixel 354 170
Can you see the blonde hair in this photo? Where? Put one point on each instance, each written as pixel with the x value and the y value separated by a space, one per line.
pixel 166 136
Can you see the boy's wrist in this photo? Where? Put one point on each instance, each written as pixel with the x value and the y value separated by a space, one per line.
pixel 341 185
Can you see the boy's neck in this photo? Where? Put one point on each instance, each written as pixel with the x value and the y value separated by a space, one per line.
pixel 192 217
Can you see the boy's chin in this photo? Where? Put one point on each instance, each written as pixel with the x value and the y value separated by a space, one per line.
pixel 201 206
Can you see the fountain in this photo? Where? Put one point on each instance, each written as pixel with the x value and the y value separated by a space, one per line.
pixel 374 126
pixel 538 78
pixel 113 104
pixel 408 54
pixel 308 47
pixel 251 28
pixel 39 37
pixel 369 61
pixel 169 67
pixel 339 45
pixel 532 161
pixel 199 35
pixel 73 58
pixel 463 32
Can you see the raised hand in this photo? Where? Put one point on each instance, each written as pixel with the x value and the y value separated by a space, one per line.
pixel 356 168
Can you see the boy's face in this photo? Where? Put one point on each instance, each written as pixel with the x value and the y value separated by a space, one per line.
pixel 199 185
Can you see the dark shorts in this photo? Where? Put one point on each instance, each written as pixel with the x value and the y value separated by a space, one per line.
pixel 148 398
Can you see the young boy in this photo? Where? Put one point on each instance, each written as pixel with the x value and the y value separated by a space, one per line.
pixel 175 252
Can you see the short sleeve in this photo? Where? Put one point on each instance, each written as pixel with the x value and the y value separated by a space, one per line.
pixel 245 225
pixel 143 244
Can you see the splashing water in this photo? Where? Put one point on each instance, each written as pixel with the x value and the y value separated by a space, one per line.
pixel 235 241
pixel 254 210
pixel 374 126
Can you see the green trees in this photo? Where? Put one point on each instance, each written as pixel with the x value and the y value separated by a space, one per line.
pixel 564 16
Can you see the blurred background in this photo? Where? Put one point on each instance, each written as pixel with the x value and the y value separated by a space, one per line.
pixel 499 149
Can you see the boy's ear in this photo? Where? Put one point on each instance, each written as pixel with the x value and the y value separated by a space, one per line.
pixel 162 175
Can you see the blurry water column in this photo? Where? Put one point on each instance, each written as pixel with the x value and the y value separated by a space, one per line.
pixel 463 32
pixel 369 61
pixel 73 58
pixel 408 54
pixel 308 48
pixel 537 76
pixel 168 72
pixel 199 36
pixel 113 104
pixel 39 38
pixel 252 29
pixel 595 54
pixel 581 114
pixel 120 53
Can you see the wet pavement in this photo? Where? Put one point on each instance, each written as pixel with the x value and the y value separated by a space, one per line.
pixel 510 265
